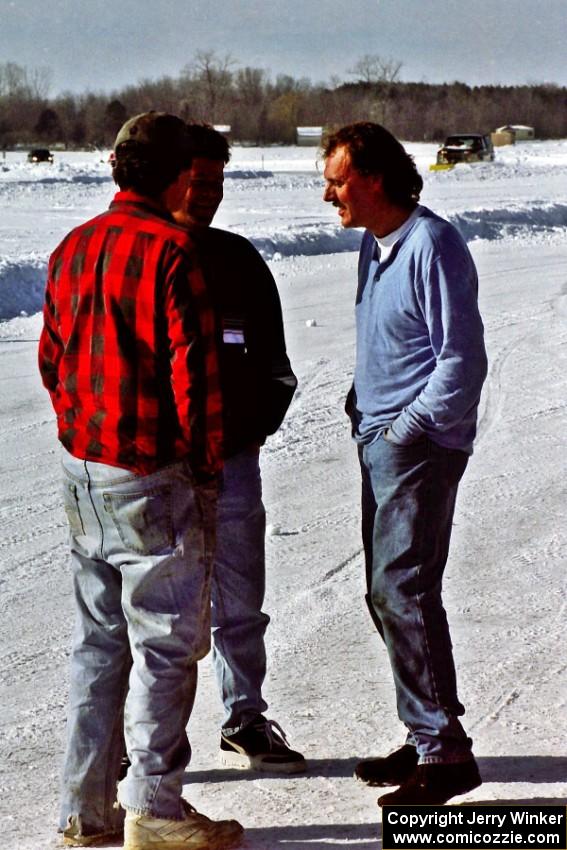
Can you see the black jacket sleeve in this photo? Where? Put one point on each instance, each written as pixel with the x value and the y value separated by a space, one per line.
pixel 266 341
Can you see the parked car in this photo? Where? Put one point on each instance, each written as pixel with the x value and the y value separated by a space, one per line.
pixel 40 155
pixel 466 147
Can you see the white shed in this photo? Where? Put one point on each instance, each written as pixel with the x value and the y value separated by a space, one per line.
pixel 309 136
pixel 521 132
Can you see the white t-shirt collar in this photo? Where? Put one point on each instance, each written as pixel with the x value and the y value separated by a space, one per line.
pixel 386 243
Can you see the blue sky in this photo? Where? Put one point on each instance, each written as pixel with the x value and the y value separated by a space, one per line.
pixel 101 45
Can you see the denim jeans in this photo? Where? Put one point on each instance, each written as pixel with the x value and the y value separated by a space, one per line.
pixel 141 554
pixel 408 501
pixel 239 580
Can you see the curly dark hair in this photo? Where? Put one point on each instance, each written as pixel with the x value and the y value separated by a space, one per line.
pixel 141 170
pixel 374 150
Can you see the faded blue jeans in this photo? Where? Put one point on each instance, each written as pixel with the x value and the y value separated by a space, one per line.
pixel 141 554
pixel 408 501
pixel 239 581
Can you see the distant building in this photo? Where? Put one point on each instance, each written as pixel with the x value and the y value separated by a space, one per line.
pixel 502 137
pixel 521 132
pixel 309 136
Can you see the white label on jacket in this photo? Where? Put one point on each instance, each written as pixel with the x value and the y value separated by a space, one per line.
pixel 231 335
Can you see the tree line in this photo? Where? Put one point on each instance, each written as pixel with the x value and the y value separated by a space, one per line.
pixel 262 110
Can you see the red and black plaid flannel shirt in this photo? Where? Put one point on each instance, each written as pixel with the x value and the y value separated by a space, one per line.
pixel 128 349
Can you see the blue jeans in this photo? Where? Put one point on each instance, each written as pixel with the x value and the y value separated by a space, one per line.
pixel 141 554
pixel 239 581
pixel 408 501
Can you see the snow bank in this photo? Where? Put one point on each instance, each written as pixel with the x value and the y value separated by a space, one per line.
pixel 22 281
pixel 68 167
pixel 307 241
pixel 247 175
pixel 22 284
pixel 491 225
pixel 509 222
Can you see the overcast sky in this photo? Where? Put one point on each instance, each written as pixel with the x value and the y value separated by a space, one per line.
pixel 102 45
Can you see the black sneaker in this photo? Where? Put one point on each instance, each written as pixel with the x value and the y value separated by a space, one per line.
pixel 260 745
pixel 391 770
pixel 434 784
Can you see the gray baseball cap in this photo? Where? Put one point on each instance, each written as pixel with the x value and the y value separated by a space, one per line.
pixel 160 133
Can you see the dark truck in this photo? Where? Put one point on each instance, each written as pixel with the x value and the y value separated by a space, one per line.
pixel 465 147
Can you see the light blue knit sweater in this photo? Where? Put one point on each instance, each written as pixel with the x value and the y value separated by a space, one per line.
pixel 420 358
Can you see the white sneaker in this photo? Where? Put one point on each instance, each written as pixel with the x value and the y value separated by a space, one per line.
pixel 195 832
pixel 76 834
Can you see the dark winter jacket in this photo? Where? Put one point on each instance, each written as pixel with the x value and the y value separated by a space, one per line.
pixel 256 376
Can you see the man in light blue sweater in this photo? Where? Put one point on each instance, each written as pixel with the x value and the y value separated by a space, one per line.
pixel 420 366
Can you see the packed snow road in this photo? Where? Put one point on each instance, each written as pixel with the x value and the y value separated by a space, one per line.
pixel 329 682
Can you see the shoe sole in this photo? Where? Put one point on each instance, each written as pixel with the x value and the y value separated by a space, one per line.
pixel 220 843
pixel 168 845
pixel 457 793
pixel 384 783
pixel 95 840
pixel 243 762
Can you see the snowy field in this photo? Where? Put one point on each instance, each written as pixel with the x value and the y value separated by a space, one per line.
pixel 329 681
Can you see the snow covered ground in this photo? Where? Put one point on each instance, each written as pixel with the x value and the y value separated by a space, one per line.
pixel 329 681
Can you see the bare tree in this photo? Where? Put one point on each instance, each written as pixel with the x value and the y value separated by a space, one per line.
pixel 13 80
pixel 40 80
pixel 380 74
pixel 250 112
pixel 372 68
pixel 215 76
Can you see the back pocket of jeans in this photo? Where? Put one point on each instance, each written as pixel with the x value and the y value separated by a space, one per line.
pixel 143 520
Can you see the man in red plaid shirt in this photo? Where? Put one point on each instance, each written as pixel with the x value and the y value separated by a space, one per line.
pixel 128 355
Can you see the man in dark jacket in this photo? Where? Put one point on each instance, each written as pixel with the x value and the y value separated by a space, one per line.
pixel 258 385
